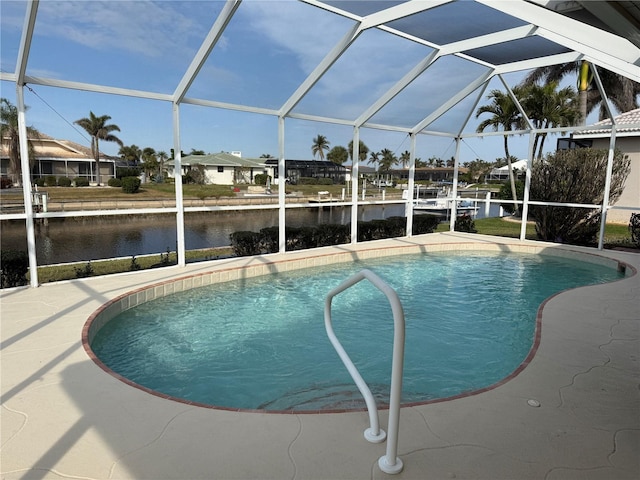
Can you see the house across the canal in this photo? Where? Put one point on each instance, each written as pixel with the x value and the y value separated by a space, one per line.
pixel 297 169
pixel 60 158
pixel 220 168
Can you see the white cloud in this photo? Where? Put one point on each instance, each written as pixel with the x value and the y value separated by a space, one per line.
pixel 140 27
pixel 307 32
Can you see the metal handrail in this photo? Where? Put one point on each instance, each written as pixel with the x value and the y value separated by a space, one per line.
pixel 389 463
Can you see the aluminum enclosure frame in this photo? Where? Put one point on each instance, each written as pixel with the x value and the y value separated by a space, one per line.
pixel 602 47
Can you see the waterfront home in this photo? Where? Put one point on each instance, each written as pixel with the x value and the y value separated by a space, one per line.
pixel 60 158
pixel 627 141
pixel 221 168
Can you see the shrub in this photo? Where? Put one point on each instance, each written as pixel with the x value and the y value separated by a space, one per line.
pixel 269 240
pixel 14 267
pixel 261 179
pixel 122 172
pixel 634 228
pixel 425 224
pixel 130 184
pixel 297 238
pixel 64 182
pixel 51 181
pixel 308 181
pixel 372 230
pixel 505 194
pixel 574 176
pixel 325 181
pixel 325 235
pixel 115 182
pixel 83 272
pixel 245 243
pixel 41 182
pixel 464 223
pixel 81 182
pixel 134 264
pixel 195 175
pixel 5 182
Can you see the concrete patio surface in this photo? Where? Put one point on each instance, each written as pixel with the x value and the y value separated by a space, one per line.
pixel 65 417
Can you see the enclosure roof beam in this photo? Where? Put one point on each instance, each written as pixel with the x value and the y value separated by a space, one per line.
pixel 616 18
pixel 451 48
pixel 611 51
pixel 90 87
pixel 400 11
pixel 209 42
pixel 532 63
pixel 25 41
pixel 320 70
pixel 414 73
pixel 453 101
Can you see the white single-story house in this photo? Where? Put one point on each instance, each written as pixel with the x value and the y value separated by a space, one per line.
pixel 627 141
pixel 221 168
pixel 502 173
pixel 61 158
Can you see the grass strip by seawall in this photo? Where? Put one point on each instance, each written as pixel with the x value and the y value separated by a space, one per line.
pixel 616 236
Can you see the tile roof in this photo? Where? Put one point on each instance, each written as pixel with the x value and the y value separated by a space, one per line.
pixel 632 117
pixel 47 147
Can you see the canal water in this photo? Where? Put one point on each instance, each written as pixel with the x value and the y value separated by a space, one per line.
pixel 80 239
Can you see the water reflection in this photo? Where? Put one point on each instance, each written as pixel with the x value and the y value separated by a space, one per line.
pixel 63 240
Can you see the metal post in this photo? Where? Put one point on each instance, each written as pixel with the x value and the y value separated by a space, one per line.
pixel 180 243
pixel 354 190
pixel 487 205
pixel 454 194
pixel 527 188
pixel 607 187
pixel 408 209
pixel 26 187
pixel 282 186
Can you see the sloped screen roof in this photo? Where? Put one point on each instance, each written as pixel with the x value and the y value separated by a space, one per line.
pixel 394 65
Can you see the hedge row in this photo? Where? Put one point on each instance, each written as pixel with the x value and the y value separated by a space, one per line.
pixel 245 243
pixel 52 181
pixel 15 265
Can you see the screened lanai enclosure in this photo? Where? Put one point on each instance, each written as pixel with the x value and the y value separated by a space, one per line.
pixel 268 76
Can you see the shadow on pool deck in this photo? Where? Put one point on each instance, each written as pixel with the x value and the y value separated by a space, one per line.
pixel 63 416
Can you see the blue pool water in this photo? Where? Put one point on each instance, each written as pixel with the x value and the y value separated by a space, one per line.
pixel 261 343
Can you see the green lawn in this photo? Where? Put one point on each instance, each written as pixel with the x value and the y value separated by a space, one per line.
pixel 615 235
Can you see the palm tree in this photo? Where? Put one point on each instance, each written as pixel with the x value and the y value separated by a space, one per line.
pixel 162 157
pixel 374 157
pixel 363 150
pixel 338 155
pixel 405 157
pixel 9 132
pixel 622 91
pixel 505 115
pixel 130 154
pixel 320 144
pixel 548 107
pixel 98 129
pixel 387 160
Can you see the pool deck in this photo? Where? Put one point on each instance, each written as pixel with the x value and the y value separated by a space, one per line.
pixel 64 417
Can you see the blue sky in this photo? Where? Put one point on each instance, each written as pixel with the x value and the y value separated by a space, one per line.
pixel 267 50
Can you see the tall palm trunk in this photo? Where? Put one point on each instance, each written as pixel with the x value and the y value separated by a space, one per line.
pixel 584 78
pixel 511 176
pixel 96 156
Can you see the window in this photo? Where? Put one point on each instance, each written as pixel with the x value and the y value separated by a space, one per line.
pixel 571 143
pixel 84 170
pixel 220 169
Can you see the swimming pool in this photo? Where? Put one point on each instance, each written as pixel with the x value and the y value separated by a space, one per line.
pixel 260 343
